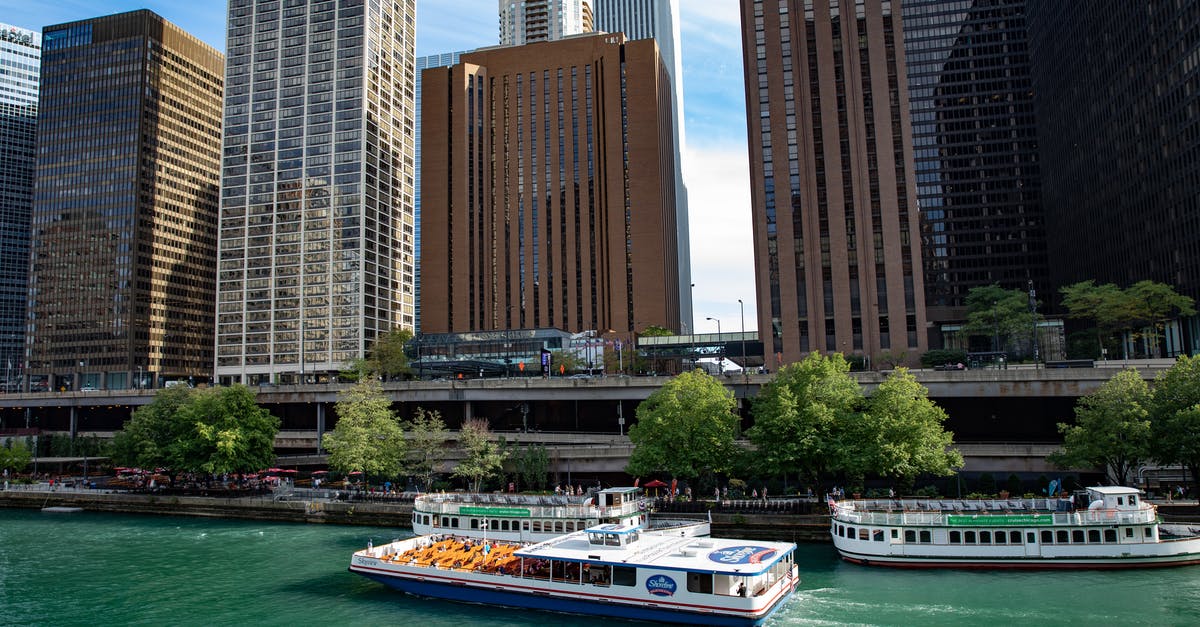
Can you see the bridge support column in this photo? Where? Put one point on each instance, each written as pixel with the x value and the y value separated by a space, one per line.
pixel 74 422
pixel 320 425
pixel 468 410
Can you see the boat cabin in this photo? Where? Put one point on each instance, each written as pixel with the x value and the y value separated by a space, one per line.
pixel 1113 498
pixel 614 535
pixel 615 497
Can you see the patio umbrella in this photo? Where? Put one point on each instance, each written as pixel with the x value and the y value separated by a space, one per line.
pixel 655 483
pixel 320 472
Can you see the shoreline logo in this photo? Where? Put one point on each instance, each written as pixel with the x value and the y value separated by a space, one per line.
pixel 661 586
pixel 742 555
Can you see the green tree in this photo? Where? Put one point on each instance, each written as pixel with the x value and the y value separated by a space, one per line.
pixel 997 314
pixel 15 456
pixel 1175 415
pixel 229 432
pixel 565 362
pixel 651 357
pixel 483 458
pixel 387 356
pixel 1107 306
pixel 1111 430
pixel 798 412
pixel 427 441
pixel 1157 304
pixel 899 435
pixel 368 437
pixel 156 434
pixel 532 464
pixel 685 429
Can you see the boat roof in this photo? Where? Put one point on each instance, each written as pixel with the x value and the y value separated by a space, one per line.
pixel 620 490
pixel 665 552
pixel 1113 489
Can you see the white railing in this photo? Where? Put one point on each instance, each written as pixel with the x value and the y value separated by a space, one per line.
pixel 853 512
pixel 452 505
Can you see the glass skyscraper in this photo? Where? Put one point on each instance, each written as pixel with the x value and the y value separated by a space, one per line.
pixel 20 63
pixel 527 21
pixel 317 233
pixel 123 233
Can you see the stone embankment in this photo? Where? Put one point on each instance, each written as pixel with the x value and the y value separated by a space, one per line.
pixel 792 528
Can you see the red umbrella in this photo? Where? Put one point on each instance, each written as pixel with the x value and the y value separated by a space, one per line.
pixel 356 472
pixel 290 471
pixel 271 470
pixel 320 472
pixel 655 483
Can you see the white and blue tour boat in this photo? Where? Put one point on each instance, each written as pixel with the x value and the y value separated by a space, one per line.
pixel 1100 527
pixel 533 518
pixel 611 570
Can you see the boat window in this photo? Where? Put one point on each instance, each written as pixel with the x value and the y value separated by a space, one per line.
pixel 558 526
pixel 1129 532
pixel 955 537
pixel 1062 537
pixel 1148 532
pixel 624 576
pixel 864 534
pixel 427 519
pixel 1120 500
pixel 969 537
pixel 612 539
pixel 1132 499
pixel 474 523
pixel 909 535
pixel 525 525
pixel 1093 536
pixel 700 582
pixel 597 574
pixel 895 533
pixel 454 522
pixel 1001 537
pixel 877 535
pixel 537 526
pixel 1015 537
pixel 1077 536
pixel 850 532
pixel 1047 536
pixel 1110 535
pixel 926 536
pixel 985 537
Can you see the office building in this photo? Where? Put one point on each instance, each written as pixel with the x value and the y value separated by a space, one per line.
pixel 423 63
pixel 975 150
pixel 659 20
pixel 834 206
pixel 1117 112
pixel 528 21
pixel 123 236
pixel 20 64
pixel 317 230
pixel 550 201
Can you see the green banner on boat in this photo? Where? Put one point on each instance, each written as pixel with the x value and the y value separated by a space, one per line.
pixel 992 520
pixel 512 512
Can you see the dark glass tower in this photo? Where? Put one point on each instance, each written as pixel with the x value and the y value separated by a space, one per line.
pixel 975 147
pixel 20 58
pixel 122 277
pixel 1119 120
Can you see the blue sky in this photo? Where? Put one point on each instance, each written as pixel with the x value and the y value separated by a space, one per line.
pixel 715 162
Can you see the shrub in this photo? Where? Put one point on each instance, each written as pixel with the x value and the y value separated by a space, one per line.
pixel 941 356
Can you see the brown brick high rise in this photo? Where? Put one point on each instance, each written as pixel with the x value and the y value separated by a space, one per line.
pixel 836 234
pixel 548 189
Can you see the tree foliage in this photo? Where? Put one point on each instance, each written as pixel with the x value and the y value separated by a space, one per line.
pixel 1175 414
pixel 15 456
pixel 686 429
pixel 428 437
pixel 211 430
pixel 994 311
pixel 532 463
pixel 1145 304
pixel 387 356
pixel 1111 430
pixel 483 457
pixel 368 437
pixel 797 414
pixel 900 434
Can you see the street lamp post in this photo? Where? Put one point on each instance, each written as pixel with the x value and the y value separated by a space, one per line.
pixel 742 310
pixel 721 362
pixel 995 327
pixel 1033 314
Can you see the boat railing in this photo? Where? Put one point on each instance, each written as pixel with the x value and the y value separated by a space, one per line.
pixel 534 509
pixel 936 513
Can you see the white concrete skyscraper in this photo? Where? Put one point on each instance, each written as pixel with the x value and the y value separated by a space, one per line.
pixel 317 230
pixel 527 21
pixel 659 19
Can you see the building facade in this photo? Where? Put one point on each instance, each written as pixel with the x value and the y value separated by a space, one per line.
pixel 317 241
pixel 1118 113
pixel 835 220
pixel 423 63
pixel 659 20
pixel 975 149
pixel 550 202
pixel 123 236
pixel 528 21
pixel 20 65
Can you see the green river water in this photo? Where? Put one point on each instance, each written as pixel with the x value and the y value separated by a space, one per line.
pixel 101 569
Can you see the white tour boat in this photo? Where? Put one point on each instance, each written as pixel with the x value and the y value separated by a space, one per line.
pixel 608 570
pixel 1102 527
pixel 534 518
